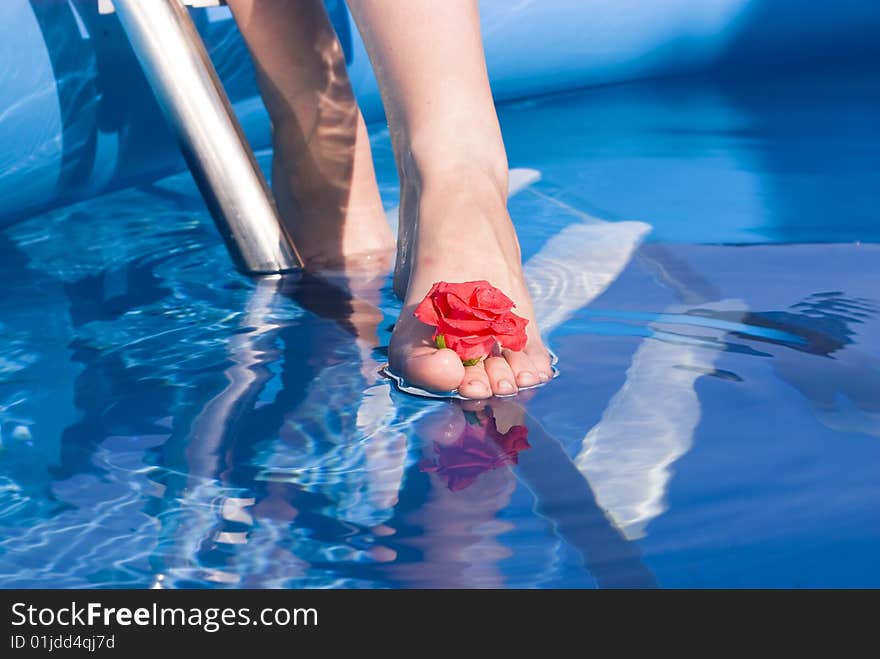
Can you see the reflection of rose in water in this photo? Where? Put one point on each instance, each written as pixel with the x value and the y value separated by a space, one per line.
pixel 479 448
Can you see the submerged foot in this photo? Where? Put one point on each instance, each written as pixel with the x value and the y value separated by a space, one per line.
pixel 462 232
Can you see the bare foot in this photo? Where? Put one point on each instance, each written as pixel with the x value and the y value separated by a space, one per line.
pixel 462 232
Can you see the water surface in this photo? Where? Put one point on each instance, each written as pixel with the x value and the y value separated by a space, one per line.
pixel 705 262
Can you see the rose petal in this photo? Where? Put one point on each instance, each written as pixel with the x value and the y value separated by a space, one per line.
pixel 441 305
pixel 464 290
pixel 492 299
pixel 514 337
pixel 466 327
pixel 459 308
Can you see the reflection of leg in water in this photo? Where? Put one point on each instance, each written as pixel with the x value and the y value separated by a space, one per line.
pixel 454 533
pixel 469 450
pixel 251 469
pixel 339 439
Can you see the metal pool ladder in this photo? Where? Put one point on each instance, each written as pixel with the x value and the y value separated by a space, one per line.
pixel 190 93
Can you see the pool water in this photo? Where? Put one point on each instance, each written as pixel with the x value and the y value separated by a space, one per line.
pixel 706 264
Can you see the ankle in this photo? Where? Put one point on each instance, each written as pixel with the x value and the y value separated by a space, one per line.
pixel 476 183
pixel 430 164
pixel 463 211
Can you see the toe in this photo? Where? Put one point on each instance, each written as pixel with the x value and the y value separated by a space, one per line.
pixel 442 427
pixel 432 369
pixel 501 376
pixel 475 383
pixel 522 367
pixel 474 405
pixel 541 361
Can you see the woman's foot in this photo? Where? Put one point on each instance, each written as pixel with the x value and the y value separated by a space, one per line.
pixel 460 231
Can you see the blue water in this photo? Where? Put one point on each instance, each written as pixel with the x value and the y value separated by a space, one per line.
pixel 706 261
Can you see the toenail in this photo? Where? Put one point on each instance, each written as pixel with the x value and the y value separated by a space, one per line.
pixel 504 386
pixel 526 375
pixel 544 377
pixel 478 384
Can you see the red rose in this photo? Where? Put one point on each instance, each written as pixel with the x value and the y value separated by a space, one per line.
pixel 471 318
pixel 479 448
pixel 511 442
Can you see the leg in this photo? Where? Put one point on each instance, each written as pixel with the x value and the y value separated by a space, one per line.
pixel 454 224
pixel 322 170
